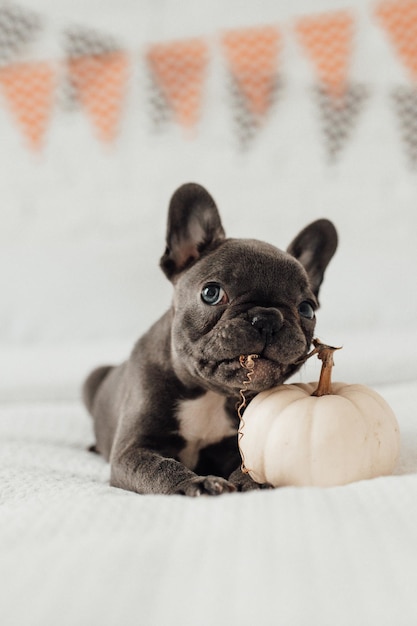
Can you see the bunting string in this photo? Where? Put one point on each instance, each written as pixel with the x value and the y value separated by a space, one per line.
pixel 94 72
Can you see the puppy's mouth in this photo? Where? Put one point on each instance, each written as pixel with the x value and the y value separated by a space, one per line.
pixel 261 372
pixel 264 371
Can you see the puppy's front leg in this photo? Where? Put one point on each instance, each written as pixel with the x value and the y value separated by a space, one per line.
pixel 147 471
pixel 243 482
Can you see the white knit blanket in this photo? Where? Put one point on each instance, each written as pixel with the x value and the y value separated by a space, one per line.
pixel 75 551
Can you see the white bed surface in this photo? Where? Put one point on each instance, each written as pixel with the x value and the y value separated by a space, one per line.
pixel 76 551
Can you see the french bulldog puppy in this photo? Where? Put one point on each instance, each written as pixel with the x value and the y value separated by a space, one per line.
pixel 166 418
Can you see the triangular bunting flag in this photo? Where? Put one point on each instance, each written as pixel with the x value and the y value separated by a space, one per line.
pixel 247 123
pixel 327 39
pixel 80 41
pixel 100 82
pixel 160 112
pixel 29 90
pixel 252 55
pixel 179 70
pixel 18 28
pixel 339 115
pixel 405 100
pixel 400 21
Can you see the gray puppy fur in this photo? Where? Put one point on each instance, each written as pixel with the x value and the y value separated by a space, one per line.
pixel 166 418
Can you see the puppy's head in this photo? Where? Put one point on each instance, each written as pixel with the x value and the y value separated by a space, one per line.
pixel 239 296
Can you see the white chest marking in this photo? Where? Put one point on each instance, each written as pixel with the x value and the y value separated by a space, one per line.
pixel 202 422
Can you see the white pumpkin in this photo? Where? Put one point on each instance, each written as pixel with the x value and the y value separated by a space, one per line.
pixel 288 436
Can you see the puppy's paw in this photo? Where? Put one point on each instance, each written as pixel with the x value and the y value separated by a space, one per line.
pixel 205 486
pixel 243 482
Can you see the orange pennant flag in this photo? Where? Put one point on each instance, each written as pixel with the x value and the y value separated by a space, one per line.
pixel 29 90
pixel 400 21
pixel 327 40
pixel 100 81
pixel 253 58
pixel 179 69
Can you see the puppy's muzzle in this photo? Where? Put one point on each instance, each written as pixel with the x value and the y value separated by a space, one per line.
pixel 267 321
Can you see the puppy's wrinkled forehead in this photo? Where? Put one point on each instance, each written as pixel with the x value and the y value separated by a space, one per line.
pixel 248 265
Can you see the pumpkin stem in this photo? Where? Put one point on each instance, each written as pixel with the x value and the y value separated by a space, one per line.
pixel 325 354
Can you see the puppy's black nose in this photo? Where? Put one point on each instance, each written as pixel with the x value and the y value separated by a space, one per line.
pixel 267 322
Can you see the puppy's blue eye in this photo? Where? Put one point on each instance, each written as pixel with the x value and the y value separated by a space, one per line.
pixel 306 310
pixel 213 294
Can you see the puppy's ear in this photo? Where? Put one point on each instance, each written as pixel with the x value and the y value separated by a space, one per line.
pixel 314 246
pixel 194 226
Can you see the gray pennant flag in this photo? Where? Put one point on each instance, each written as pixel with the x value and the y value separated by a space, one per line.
pixel 81 41
pixel 246 122
pixel 405 102
pixel 338 116
pixel 18 28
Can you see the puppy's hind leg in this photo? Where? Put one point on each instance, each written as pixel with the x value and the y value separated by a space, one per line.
pixel 92 384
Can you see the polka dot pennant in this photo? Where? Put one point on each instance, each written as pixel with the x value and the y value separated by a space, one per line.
pixel 179 71
pixel 80 41
pixel 98 71
pixel 29 90
pixel 405 103
pixel 327 40
pixel 252 60
pixel 18 28
pixel 399 19
pixel 338 116
pixel 100 82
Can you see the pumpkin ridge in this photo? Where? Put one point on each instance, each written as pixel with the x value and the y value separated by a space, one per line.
pixel 382 411
pixel 338 414
pixel 369 427
pixel 310 428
